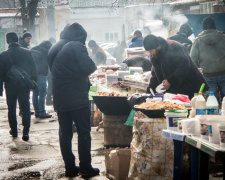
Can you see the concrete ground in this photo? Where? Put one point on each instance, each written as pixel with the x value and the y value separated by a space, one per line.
pixel 40 157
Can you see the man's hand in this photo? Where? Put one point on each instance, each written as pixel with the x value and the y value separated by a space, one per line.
pixel 166 85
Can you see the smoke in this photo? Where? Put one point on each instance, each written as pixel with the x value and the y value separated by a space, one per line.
pixel 159 18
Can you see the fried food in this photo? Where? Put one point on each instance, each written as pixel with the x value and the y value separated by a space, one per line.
pixel 166 105
pixel 109 94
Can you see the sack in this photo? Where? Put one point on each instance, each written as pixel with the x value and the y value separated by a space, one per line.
pixel 19 78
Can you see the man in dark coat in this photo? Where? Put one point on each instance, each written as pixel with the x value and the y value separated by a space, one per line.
pixel 182 36
pixel 40 54
pixel 173 67
pixel 20 58
pixel 71 66
pixel 25 40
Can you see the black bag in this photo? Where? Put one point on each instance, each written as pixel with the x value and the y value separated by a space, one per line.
pixel 19 78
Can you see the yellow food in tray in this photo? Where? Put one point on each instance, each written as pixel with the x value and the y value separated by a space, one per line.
pixel 109 94
pixel 160 105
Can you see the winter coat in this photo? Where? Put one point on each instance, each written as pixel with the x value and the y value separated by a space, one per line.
pixel 174 65
pixel 99 56
pixel 19 57
pixel 208 52
pixel 136 42
pixel 139 62
pixel 40 56
pixel 70 65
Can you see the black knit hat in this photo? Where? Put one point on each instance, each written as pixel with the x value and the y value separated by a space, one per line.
pixel 138 33
pixel 151 42
pixel 27 34
pixel 11 37
pixel 208 23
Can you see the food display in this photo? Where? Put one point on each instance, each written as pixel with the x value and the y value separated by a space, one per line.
pixel 109 94
pixel 166 105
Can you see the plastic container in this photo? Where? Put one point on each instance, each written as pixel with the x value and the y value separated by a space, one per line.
pixel 179 125
pixel 172 116
pixel 191 126
pixel 204 131
pixel 213 122
pixel 200 105
pixel 222 135
pixel 212 104
pixel 132 70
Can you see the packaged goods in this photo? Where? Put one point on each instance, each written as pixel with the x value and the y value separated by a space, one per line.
pixel 212 104
pixel 135 70
pixel 204 127
pixel 213 122
pixel 222 135
pixel 109 94
pixel 191 126
pixel 151 154
pixel 172 116
pixel 200 105
pixel 193 109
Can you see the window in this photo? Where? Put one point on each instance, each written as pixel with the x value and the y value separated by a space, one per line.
pixel 111 36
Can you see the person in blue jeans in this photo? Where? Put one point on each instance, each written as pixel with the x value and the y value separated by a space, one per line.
pixel 40 54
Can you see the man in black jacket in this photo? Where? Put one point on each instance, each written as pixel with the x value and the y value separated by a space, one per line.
pixel 25 40
pixel 40 54
pixel 71 66
pixel 173 67
pixel 22 59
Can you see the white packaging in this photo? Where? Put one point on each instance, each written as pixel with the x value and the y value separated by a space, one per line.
pixel 204 131
pixel 212 104
pixel 172 116
pixel 213 122
pixel 221 128
pixel 200 105
pixel 135 69
pixel 191 126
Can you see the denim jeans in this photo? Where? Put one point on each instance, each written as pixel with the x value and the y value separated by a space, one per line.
pixel 217 83
pixel 39 95
pixel 81 118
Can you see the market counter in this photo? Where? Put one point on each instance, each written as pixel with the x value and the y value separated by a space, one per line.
pixel 201 150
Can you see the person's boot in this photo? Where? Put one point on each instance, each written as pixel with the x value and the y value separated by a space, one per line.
pixel 25 137
pixel 13 133
pixel 72 172
pixel 45 115
pixel 87 173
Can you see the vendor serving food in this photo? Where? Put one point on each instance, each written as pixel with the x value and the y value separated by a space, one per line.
pixel 172 67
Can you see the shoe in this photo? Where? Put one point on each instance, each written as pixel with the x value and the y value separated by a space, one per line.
pixel 25 137
pixel 89 172
pixel 72 172
pixel 13 134
pixel 46 115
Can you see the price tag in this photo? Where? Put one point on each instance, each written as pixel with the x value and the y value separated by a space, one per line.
pixel 198 145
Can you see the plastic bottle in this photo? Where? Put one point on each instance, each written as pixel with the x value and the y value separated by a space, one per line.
pixel 193 109
pixel 212 104
pixel 200 105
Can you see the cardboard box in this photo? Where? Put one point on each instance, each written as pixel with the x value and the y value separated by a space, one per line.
pixel 117 162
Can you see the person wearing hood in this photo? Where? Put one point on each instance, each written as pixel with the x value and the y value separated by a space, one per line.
pixel 98 54
pixel 25 40
pixel 172 67
pixel 40 54
pixel 182 36
pixel 70 66
pixel 208 53
pixel 137 40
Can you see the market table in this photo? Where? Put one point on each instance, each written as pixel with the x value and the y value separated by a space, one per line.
pixel 201 150
pixel 178 140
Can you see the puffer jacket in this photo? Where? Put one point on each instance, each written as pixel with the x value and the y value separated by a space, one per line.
pixel 208 52
pixel 40 56
pixel 70 65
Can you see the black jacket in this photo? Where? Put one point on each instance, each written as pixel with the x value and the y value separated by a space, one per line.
pixel 40 56
pixel 23 43
pixel 175 65
pixel 19 57
pixel 70 65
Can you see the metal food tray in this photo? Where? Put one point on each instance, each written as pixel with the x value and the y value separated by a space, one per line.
pixel 112 105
